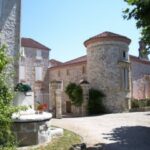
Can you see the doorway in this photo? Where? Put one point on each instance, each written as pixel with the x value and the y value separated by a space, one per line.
pixel 68 107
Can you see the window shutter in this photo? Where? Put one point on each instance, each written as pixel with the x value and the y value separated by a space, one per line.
pixel 38 73
pixel 125 78
pixel 22 72
pixel 22 52
pixel 39 54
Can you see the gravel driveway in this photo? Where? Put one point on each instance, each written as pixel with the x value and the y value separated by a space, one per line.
pixel 122 131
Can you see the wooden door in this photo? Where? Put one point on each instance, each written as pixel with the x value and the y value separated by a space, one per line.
pixel 68 107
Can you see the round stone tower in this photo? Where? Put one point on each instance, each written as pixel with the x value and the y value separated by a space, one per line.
pixel 108 69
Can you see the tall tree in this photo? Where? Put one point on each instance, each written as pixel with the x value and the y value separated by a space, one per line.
pixel 140 11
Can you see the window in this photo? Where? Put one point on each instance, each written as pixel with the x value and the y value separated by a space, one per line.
pixel 21 72
pixel 58 73
pixel 83 70
pixel 38 54
pixel 22 52
pixel 125 55
pixel 38 73
pixel 67 72
pixel 125 81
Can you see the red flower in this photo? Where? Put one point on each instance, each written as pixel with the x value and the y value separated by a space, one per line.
pixel 42 107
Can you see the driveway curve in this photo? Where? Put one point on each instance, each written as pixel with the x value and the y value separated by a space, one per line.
pixel 122 131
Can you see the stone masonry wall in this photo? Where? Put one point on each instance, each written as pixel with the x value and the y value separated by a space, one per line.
pixel 140 86
pixel 10 28
pixel 105 73
pixel 41 88
pixel 67 74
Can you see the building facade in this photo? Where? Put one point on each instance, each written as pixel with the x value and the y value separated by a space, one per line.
pixel 10 12
pixel 33 68
pixel 107 67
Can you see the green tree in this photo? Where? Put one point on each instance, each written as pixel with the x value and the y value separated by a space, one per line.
pixel 140 11
pixel 7 139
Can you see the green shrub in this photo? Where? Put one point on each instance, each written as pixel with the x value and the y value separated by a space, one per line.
pixel 7 140
pixel 134 104
pixel 148 102
pixel 22 87
pixel 142 103
pixel 75 94
pixel 95 105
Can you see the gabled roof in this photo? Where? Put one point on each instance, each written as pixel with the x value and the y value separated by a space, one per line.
pixel 83 59
pixel 28 42
pixel 55 62
pixel 76 61
pixel 107 36
pixel 137 59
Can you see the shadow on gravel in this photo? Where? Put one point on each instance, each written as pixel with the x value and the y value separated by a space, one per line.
pixel 148 114
pixel 129 138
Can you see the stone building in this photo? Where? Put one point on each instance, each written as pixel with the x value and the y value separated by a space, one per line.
pixel 33 68
pixel 107 67
pixel 10 28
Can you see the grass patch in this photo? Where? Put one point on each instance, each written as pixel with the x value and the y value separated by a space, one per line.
pixel 63 143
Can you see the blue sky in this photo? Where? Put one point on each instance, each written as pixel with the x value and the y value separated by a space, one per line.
pixel 63 25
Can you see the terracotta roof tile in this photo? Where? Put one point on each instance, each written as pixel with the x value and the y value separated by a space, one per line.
pixel 137 59
pixel 28 42
pixel 83 59
pixel 76 61
pixel 107 36
pixel 54 62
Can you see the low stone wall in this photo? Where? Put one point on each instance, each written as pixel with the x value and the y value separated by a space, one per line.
pixel 32 133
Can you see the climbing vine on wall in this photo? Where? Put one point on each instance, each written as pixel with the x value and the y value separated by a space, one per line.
pixel 75 94
pixel 6 109
pixel 95 105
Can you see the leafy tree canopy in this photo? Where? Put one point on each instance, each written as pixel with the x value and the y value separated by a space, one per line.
pixel 140 11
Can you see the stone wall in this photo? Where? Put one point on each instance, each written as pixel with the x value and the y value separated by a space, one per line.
pixel 10 29
pixel 67 74
pixel 105 63
pixel 32 133
pixel 40 88
pixel 140 84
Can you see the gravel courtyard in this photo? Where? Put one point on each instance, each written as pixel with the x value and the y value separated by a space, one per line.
pixel 122 131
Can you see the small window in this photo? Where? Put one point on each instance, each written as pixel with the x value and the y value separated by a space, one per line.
pixel 22 52
pixel 125 55
pixel 67 72
pixel 125 78
pixel 38 73
pixel 21 73
pixel 38 54
pixel 59 73
pixel 83 70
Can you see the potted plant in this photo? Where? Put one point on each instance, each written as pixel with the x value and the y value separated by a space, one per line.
pixel 41 107
pixel 22 98
pixel 23 88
